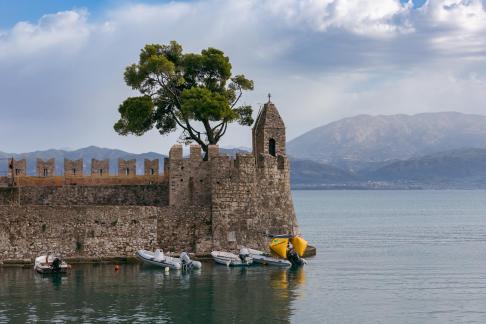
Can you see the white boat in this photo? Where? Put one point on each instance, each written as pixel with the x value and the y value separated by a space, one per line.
pixel 267 259
pixel 50 264
pixel 158 258
pixel 231 259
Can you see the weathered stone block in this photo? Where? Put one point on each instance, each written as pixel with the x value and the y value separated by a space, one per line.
pixel 151 167
pixel 100 168
pixel 45 168
pixel 127 167
pixel 17 168
pixel 73 168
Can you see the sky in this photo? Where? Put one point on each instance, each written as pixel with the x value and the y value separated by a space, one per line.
pixel 62 62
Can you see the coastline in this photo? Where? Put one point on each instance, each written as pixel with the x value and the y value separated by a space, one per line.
pixel 311 251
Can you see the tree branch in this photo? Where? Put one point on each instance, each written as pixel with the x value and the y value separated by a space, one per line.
pixel 238 98
pixel 221 131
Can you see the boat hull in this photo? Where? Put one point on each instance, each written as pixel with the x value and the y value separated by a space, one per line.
pixel 268 260
pixel 229 259
pixel 49 270
pixel 145 257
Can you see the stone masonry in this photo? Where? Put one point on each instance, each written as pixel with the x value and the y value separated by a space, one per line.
pixel 221 203
pixel 100 168
pixel 18 167
pixel 127 167
pixel 45 168
pixel 150 167
pixel 73 168
pixel 269 132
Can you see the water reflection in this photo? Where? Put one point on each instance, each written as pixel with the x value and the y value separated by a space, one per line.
pixel 137 293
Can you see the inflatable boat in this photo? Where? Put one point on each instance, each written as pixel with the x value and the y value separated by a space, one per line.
pixel 158 258
pixel 231 259
pixel 267 259
pixel 50 264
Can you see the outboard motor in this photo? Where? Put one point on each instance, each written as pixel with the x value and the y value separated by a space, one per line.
pixel 56 265
pixel 245 256
pixel 187 263
pixel 185 260
pixel 294 258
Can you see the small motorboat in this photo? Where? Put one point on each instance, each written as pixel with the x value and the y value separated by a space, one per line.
pixel 50 264
pixel 267 259
pixel 232 260
pixel 158 258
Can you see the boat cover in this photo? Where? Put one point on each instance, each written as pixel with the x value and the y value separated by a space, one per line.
pixel 299 245
pixel 279 246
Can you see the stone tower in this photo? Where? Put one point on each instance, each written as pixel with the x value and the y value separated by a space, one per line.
pixel 269 132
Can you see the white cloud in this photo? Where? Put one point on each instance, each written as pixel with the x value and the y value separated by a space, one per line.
pixel 66 31
pixel 359 16
pixel 61 78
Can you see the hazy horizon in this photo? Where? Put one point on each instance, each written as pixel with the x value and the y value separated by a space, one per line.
pixel 229 146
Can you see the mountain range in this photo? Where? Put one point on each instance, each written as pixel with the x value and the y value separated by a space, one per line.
pixel 365 141
pixel 431 150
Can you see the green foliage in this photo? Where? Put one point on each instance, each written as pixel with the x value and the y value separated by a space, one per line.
pixel 136 116
pixel 183 90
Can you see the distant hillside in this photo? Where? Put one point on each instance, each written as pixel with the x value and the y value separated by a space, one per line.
pixel 310 173
pixel 363 141
pixel 86 153
pixel 463 166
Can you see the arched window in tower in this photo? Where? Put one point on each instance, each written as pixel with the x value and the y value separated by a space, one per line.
pixel 271 147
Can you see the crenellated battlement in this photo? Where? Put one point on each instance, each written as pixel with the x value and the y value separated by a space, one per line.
pixel 45 172
pixel 192 178
pixel 221 161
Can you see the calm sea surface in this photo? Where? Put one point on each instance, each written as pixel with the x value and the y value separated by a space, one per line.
pixel 383 257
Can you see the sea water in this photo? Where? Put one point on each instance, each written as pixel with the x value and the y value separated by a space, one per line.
pixel 383 257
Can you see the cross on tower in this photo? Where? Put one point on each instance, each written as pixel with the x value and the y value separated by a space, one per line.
pixel 269 96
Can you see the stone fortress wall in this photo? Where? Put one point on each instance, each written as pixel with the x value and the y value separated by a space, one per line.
pixel 197 205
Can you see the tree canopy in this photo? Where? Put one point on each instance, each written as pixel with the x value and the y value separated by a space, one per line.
pixel 193 92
